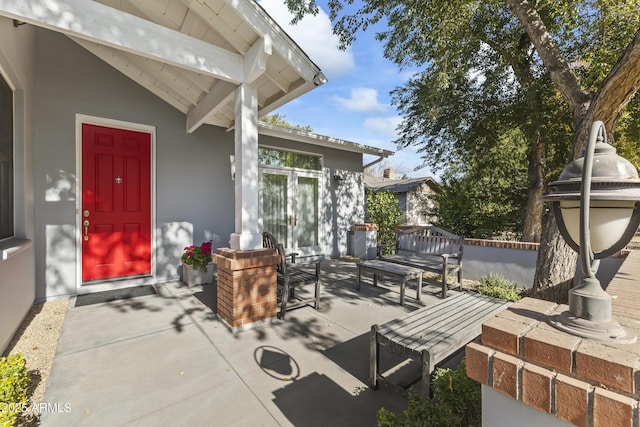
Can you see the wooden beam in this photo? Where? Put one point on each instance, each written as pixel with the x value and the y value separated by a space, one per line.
pixel 104 25
pixel 255 61
pixel 214 100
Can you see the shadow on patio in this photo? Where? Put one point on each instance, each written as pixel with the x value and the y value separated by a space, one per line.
pixel 164 355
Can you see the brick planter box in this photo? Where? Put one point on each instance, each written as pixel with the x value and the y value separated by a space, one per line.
pixel 577 380
pixel 247 294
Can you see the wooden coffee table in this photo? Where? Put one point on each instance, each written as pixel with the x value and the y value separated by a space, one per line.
pixel 401 272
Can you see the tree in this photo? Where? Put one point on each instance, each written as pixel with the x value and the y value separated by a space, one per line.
pixel 280 120
pixel 607 103
pixel 478 204
pixel 548 68
pixel 383 210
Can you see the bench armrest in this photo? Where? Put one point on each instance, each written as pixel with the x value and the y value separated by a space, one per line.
pixel 450 255
pixel 291 255
pixel 307 260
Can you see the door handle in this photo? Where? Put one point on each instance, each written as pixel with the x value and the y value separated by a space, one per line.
pixel 86 229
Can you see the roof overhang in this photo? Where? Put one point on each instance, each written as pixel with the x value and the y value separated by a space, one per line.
pixel 193 54
pixel 320 140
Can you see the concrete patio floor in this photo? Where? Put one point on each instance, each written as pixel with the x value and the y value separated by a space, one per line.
pixel 165 359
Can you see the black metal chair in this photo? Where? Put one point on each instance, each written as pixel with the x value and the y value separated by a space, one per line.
pixel 290 277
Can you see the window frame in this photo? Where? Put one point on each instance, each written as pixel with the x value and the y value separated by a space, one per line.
pixel 10 202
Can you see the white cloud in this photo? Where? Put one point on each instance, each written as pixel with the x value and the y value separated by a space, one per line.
pixel 383 125
pixel 362 99
pixel 315 36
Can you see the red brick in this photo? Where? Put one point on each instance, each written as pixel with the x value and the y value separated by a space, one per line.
pixel 611 366
pixel 612 409
pixel 536 387
pixel 478 361
pixel 550 348
pixel 503 334
pixel 572 400
pixel 505 374
pixel 246 280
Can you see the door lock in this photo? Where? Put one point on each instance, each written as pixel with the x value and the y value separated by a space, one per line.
pixel 85 213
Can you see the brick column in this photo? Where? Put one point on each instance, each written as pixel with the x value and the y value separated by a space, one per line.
pixel 247 294
pixel 580 381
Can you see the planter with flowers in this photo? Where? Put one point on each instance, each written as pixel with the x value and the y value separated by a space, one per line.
pixel 197 267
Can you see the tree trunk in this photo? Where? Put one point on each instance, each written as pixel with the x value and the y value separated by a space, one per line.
pixel 555 266
pixel 533 215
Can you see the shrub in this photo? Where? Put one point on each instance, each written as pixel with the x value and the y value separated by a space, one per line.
pixel 13 388
pixel 456 402
pixel 383 209
pixel 497 286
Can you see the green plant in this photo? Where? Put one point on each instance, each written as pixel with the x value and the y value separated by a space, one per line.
pixel 497 286
pixel 13 388
pixel 383 210
pixel 197 256
pixel 456 402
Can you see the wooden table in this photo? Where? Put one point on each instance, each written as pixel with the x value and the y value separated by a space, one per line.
pixel 431 334
pixel 383 268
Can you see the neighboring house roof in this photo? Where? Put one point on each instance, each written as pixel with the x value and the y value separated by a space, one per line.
pixel 398 185
pixel 321 140
pixel 193 54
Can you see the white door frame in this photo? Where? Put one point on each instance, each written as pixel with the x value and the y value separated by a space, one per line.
pixel 292 178
pixel 119 124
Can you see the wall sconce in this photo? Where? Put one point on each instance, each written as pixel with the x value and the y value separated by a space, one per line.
pixel 595 204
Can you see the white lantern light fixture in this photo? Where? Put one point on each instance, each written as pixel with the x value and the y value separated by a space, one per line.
pixel 596 204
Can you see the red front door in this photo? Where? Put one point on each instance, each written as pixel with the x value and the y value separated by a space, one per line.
pixel 116 203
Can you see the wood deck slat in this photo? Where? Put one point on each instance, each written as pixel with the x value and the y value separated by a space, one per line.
pixel 431 334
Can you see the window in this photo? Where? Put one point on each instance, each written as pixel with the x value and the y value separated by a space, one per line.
pixel 277 158
pixel 6 160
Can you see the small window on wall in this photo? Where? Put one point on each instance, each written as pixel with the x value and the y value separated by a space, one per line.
pixel 6 159
pixel 287 159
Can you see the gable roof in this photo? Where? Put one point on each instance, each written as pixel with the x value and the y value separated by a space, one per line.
pixel 399 185
pixel 193 54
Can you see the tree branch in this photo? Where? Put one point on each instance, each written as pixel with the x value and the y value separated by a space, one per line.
pixel 554 62
pixel 619 87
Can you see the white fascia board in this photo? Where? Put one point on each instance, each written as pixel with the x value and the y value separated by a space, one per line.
pixel 258 19
pixel 102 24
pixel 320 140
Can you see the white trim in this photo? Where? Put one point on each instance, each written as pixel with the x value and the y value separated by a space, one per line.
pixel 292 175
pixel 320 140
pixel 118 124
pixel 93 21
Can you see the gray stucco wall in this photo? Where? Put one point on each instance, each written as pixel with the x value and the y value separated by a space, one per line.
pixel 194 189
pixel 515 264
pixel 17 277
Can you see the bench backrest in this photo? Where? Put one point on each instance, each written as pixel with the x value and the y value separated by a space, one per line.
pixel 268 241
pixel 429 240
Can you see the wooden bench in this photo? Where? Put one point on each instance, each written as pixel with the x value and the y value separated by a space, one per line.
pixel 428 248
pixel 432 334
pixel 383 268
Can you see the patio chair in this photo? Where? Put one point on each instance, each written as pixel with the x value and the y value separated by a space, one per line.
pixel 290 277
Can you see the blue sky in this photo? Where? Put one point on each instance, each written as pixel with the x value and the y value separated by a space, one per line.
pixel 355 104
